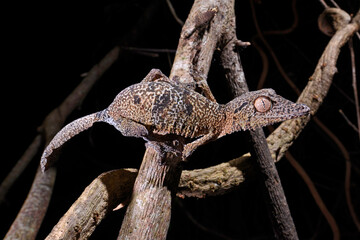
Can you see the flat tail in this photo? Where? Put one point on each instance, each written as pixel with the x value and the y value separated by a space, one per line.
pixel 66 133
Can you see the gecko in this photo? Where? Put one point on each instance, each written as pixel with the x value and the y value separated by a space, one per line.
pixel 158 106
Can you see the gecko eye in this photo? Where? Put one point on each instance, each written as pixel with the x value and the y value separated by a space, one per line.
pixel 262 104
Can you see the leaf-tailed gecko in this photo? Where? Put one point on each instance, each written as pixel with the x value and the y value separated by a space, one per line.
pixel 158 106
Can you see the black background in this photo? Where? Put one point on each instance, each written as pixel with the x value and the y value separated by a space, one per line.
pixel 47 46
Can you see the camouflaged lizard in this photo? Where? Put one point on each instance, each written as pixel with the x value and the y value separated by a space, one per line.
pixel 157 106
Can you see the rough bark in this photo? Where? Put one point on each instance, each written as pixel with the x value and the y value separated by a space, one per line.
pixel 278 209
pixel 148 214
pixel 29 219
pixel 215 180
pixel 97 200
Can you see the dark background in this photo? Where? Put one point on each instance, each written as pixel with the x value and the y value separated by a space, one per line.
pixel 47 46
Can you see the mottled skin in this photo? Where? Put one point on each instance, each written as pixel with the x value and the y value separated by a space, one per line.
pixel 157 107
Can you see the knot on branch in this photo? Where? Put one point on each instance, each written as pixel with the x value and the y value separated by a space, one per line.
pixel 332 19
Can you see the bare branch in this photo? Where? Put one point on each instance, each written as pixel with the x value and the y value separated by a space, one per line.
pixel 354 84
pixel 215 180
pixel 348 121
pixel 20 166
pixel 98 199
pixel 173 12
pixel 311 186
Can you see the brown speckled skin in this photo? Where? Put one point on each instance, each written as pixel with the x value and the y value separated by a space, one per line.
pixel 165 108
pixel 157 106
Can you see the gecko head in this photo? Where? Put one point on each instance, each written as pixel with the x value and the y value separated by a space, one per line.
pixel 261 108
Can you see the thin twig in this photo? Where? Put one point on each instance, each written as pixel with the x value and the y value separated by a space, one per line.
pixel 334 3
pixel 201 226
pixel 343 93
pixel 173 12
pixel 354 84
pixel 348 121
pixel 265 64
pixel 358 35
pixel 289 29
pixel 150 50
pixel 264 58
pixel 324 3
pixel 315 194
pixel 273 55
pixel 347 182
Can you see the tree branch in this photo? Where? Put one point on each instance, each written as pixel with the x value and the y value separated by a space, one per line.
pixel 315 91
pixel 19 167
pixel 278 209
pixel 99 199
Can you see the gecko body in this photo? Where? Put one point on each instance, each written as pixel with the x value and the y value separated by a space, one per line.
pixel 157 106
pixel 165 108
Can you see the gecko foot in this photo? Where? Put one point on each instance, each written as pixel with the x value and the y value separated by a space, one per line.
pixel 163 147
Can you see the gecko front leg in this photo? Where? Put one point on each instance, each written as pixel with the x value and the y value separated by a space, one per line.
pixel 128 127
pixel 191 147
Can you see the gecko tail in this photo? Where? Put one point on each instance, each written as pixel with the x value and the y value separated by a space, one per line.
pixel 67 132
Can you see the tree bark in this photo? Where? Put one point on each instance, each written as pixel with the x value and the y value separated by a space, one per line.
pixel 278 209
pixel 148 214
pixel 95 203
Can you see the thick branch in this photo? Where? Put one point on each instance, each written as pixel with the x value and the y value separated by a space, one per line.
pixel 194 52
pixel 215 180
pixel 148 214
pixel 278 209
pixel 106 192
